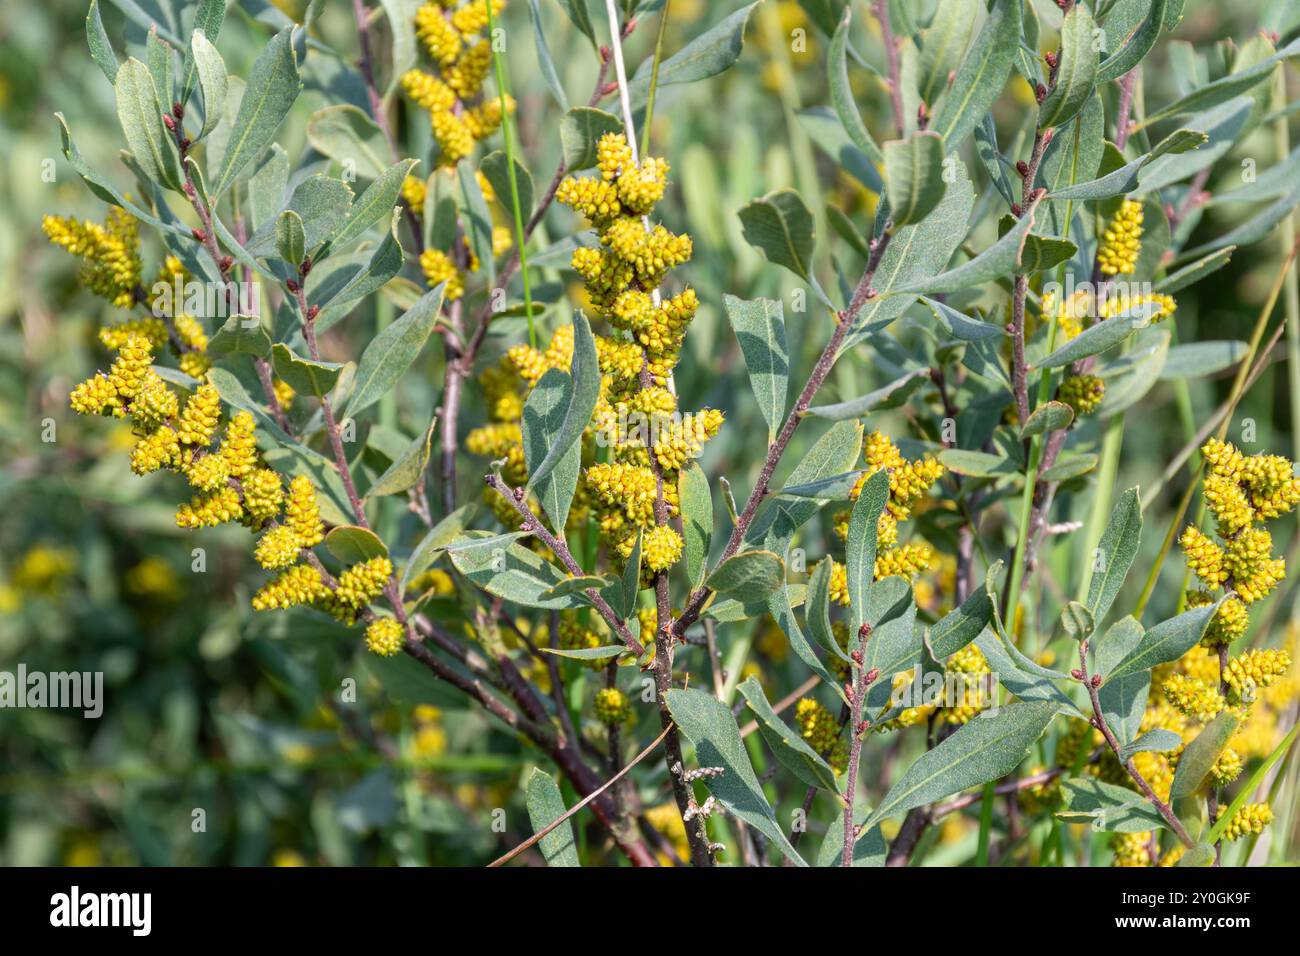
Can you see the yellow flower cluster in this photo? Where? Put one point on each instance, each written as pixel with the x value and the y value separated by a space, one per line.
pixel 1131 849
pixel 612 707
pixel 822 732
pixel 458 112
pixel 1241 491
pixel 1083 393
pixel 1251 818
pixel 385 636
pixel 1121 242
pixel 908 483
pixel 1072 314
pixel 111 252
pixel 231 482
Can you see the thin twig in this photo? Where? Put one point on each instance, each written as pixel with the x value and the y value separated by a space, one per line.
pixel 536 837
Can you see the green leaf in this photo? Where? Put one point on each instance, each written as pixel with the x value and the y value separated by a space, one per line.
pixel 352 544
pixel 543 419
pixel 988 747
pixel 943 44
pixel 1077 621
pixel 101 50
pixel 436 541
pixel 981 76
pixel 1201 855
pixel 759 325
pixel 578 13
pixel 374 204
pixel 1076 76
pixel 241 333
pixel 408 470
pixel 913 176
pixel 1135 46
pixel 545 806
pixel 1047 417
pixel 1201 754
pixel 585 372
pixel 1107 807
pixel 347 135
pixel 916 252
pixel 140 114
pixel 544 60
pixel 817 613
pixel 393 351
pixel 603 653
pixel 580 131
pixel 1167 641
pixel 1226 87
pixel 272 87
pixel 834 453
pixel 401 23
pixel 748 577
pixel 1095 339
pixel 1116 550
pixel 497 173
pixel 860 547
pixel 1155 740
pixel 709 54
pixel 887 396
pixel 477 218
pixel 304 375
pixel 1073 156
pixel 895 640
pixel 1199 359
pixel 781 227
pixel 213 80
pixel 977 464
pixel 289 237
pixel 707 723
pixel 384 263
pixel 1043 252
pixel 994 262
pixel 696 505
pixel 789 748
pixel 501 566
pixel 962 326
pixel 962 625
pixel 208 19
pixel 581 583
pixel 1195 271
pixel 1070 466
pixel 846 107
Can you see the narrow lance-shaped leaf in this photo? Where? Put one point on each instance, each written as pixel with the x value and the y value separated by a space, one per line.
pixel 1201 754
pixel 1076 76
pixel 585 372
pixel 543 420
pixel 101 50
pixel 842 98
pixel 140 114
pixel 988 747
pixel 789 748
pixel 707 723
pixel 1167 641
pixel 213 80
pixel 696 504
pixel 860 547
pixel 272 87
pixel 391 352
pixel 913 176
pixel 545 806
pixel 759 325
pixel 1115 553
pixel 981 76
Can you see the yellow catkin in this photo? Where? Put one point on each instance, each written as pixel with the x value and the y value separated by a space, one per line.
pixel 1121 242
pixel 302 513
pixel 612 706
pixel 278 548
pixel 438 267
pixel 1083 393
pixel 301 584
pixel 385 637
pixel 1252 818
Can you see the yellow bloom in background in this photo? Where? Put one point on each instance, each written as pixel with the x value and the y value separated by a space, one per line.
pixel 1121 242
pixel 385 637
